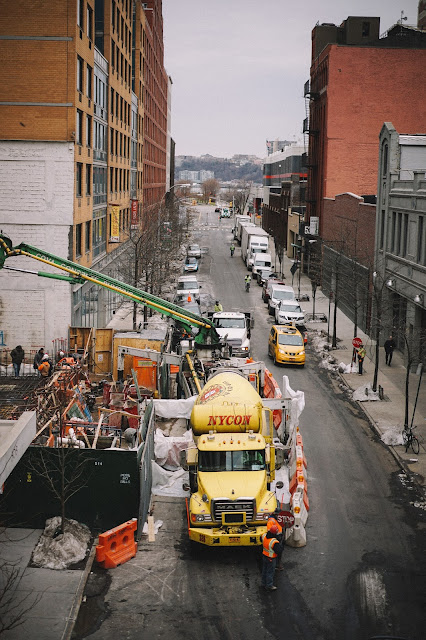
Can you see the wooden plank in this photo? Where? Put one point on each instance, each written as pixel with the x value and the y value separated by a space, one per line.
pixel 151 529
pixel 98 429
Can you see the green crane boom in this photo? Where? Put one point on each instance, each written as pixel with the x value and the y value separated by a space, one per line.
pixel 207 333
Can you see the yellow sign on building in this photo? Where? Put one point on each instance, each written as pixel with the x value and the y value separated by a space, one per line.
pixel 115 224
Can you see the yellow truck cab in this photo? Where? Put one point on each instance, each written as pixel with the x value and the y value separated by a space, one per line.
pixel 233 464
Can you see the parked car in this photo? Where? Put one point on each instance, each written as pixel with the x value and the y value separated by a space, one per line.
pixel 277 293
pixel 194 251
pixel 192 305
pixel 263 274
pixel 187 285
pixel 286 345
pixel 289 311
pixel 266 291
pixel 191 264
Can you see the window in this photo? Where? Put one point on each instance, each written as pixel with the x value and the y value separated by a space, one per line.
pixel 87 236
pixel 78 179
pixel 89 81
pixel 398 235
pixel 89 22
pixel 78 240
pixel 420 240
pixel 405 236
pixel 382 228
pixel 80 13
pixel 385 159
pixel 79 127
pixel 79 74
pixel 88 131
pixel 88 179
pixel 99 185
pixel 393 231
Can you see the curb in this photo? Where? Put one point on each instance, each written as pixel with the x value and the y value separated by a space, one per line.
pixel 71 620
pixel 400 461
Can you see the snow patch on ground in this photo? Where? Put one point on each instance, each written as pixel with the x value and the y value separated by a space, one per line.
pixel 364 393
pixel 392 436
pixel 63 550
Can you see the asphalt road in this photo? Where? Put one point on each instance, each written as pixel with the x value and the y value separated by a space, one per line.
pixel 362 572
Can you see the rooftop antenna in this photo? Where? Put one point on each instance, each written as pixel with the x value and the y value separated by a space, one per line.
pixel 403 17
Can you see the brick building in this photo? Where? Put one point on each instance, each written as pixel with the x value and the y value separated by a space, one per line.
pixel 358 80
pixel 83 127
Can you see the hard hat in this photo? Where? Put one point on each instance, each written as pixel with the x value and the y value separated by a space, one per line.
pixel 274 529
pixel 46 356
pixel 61 353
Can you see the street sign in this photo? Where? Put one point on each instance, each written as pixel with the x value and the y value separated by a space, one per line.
pixel 285 519
pixel 293 268
pixel 357 342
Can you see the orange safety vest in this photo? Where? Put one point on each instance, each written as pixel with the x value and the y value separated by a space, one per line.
pixel 268 547
pixel 271 522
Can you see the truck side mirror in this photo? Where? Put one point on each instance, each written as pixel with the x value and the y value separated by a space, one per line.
pixel 186 486
pixel 251 322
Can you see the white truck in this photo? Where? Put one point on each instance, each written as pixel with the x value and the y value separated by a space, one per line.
pixel 242 222
pixel 260 260
pixel 253 240
pixel 257 243
pixel 234 327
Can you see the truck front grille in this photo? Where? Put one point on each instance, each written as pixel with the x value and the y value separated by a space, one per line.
pixel 223 505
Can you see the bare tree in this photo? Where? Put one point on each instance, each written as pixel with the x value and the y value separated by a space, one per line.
pixel 209 188
pixel 64 471
pixel 14 605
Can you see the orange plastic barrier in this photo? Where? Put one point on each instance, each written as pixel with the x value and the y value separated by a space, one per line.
pixel 117 545
pixel 272 390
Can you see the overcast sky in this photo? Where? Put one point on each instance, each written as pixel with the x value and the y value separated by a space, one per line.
pixel 238 67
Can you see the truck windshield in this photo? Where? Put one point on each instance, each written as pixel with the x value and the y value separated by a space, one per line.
pixel 230 323
pixel 253 460
pixel 282 295
pixel 262 263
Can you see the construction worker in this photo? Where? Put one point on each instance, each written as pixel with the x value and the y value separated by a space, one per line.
pixel 218 306
pixel 361 355
pixel 247 281
pixel 232 249
pixel 273 522
pixel 45 366
pixel 271 547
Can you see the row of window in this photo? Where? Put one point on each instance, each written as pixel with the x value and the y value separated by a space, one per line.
pixel 88 27
pixel 406 235
pixel 120 64
pixel 120 108
pixel 119 25
pixel 92 234
pixel 81 86
pixel 119 181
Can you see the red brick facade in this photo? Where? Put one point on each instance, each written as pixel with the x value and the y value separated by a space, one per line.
pixel 349 227
pixel 354 90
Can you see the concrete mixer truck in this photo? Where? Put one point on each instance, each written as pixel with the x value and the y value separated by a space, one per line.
pixel 232 464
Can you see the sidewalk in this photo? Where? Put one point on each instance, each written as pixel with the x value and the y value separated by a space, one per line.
pixel 382 414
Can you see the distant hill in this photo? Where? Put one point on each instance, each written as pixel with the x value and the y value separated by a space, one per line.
pixel 242 168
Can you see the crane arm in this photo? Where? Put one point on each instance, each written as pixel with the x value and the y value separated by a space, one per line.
pixel 78 273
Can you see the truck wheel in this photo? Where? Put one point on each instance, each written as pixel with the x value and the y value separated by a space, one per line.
pixel 270 310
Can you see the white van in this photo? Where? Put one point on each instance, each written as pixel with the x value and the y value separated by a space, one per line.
pixel 260 260
pixel 279 292
pixel 187 286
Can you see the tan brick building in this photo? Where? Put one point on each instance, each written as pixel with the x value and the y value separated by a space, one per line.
pixel 81 74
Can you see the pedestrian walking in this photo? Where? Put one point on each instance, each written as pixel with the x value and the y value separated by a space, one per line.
pixel 37 359
pixel 45 366
pixel 361 355
pixel 17 354
pixel 271 547
pixel 389 346
pixel 232 249
pixel 218 307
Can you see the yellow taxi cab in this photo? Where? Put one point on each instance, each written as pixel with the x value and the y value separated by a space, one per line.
pixel 286 345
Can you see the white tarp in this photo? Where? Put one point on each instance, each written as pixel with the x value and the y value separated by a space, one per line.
pixel 167 449
pixel 169 483
pixel 297 400
pixel 174 408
